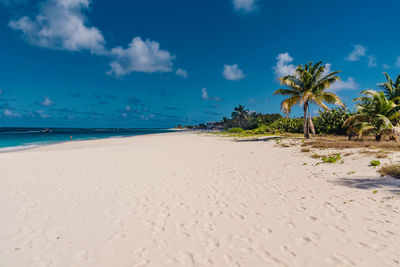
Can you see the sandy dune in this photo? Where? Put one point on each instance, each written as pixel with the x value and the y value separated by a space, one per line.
pixel 183 199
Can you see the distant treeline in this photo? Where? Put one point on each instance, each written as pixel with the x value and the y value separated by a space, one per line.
pixel 326 122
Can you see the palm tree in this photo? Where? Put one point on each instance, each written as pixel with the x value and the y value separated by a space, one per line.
pixel 308 86
pixel 376 114
pixel 391 88
pixel 240 114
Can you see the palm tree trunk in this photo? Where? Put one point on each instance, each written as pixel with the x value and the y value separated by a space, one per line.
pixel 305 123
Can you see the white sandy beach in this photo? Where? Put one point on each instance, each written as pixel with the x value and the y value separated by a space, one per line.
pixel 183 199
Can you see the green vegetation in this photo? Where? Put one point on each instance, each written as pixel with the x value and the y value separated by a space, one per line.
pixel 331 159
pixel 376 115
pixel 331 121
pixel 308 86
pixel 236 130
pixel 391 88
pixel 375 163
pixel 392 170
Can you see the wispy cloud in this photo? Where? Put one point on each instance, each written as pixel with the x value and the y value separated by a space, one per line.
pixel 47 102
pixel 371 61
pixel 283 66
pixel 233 72
pixel 358 53
pixel 181 72
pixel 341 85
pixel 11 114
pixel 245 5
pixel 349 84
pixel 205 96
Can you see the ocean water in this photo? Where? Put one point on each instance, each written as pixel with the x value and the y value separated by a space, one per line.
pixel 22 138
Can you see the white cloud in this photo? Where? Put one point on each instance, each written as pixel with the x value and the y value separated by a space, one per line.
pixel 141 56
pixel 61 24
pixel 182 73
pixel 398 62
pixel 11 114
pixel 232 73
pixel 205 96
pixel 245 5
pixel 47 102
pixel 283 66
pixel 349 84
pixel 371 61
pixel 42 114
pixel 358 52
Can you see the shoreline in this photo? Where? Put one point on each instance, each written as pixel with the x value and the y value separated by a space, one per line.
pixel 31 146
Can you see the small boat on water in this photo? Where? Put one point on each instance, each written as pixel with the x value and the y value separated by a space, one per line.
pixel 46 130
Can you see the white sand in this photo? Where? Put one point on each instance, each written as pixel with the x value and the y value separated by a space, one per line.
pixel 182 199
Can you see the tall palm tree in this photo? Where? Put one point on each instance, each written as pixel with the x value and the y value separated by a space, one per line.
pixel 240 114
pixel 391 88
pixel 376 114
pixel 307 86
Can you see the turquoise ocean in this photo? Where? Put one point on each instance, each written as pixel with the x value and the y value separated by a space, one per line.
pixel 22 138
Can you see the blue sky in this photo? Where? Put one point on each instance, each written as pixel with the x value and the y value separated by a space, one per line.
pixel 154 63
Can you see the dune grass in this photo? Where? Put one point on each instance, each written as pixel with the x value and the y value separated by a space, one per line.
pixel 392 170
pixel 341 142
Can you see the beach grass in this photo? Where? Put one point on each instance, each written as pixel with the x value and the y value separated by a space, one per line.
pixel 392 170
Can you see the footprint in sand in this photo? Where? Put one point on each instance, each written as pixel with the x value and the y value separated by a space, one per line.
pixel 181 231
pixel 236 215
pixel 209 227
pixel 138 253
pixel 268 257
pixel 286 251
pixel 261 229
pixel 230 261
pixel 81 256
pixel 116 237
pixel 340 260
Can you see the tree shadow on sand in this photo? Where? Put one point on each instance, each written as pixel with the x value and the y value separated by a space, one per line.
pixel 387 183
pixel 260 139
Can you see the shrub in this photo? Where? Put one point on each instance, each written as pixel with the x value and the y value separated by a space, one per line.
pixel 391 170
pixel 262 129
pixel 375 163
pixel 236 130
pixel 287 125
pixel 381 155
pixel 331 122
pixel 331 159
